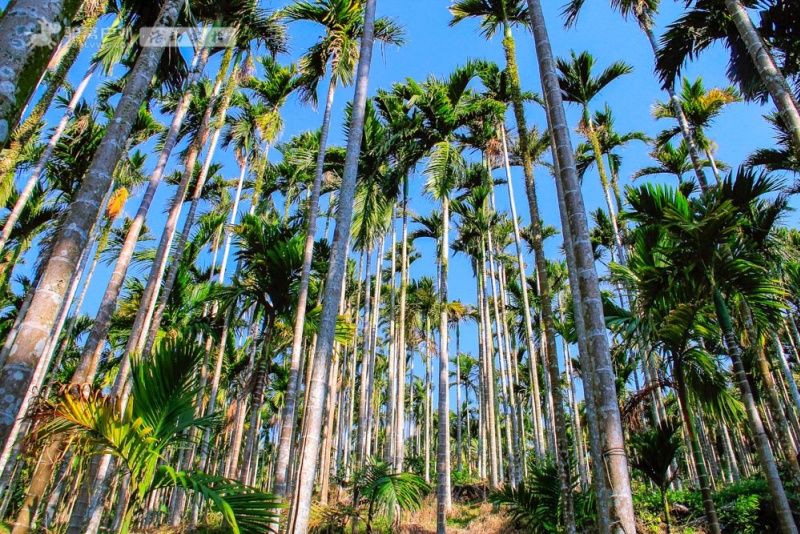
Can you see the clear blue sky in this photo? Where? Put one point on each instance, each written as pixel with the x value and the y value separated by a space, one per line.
pixel 433 48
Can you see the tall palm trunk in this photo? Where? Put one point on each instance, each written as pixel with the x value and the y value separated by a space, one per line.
pixel 509 47
pixel 290 399
pixel 443 444
pixel 149 298
pixel 770 74
pixel 503 348
pixel 391 386
pixel 767 460
pixel 599 480
pixel 373 417
pixel 401 338
pixel 298 521
pixel 97 338
pixel 567 184
pixel 591 133
pixel 256 401
pixel 487 375
pixel 36 174
pixel 197 195
pixel 787 374
pixel 363 400
pixel 26 54
pixel 73 236
pixel 550 352
pixel 521 271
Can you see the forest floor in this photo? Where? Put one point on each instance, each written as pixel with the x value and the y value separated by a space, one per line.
pixel 478 518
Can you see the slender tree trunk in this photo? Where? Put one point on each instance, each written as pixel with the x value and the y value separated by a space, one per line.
pixel 401 340
pixel 779 501
pixel 26 53
pixel 697 452
pixel 599 479
pixel 443 443
pixel 197 195
pixel 298 521
pixel 610 424
pixel 787 373
pixel 144 315
pixel 36 174
pixel 391 386
pixel 290 399
pixel 591 133
pixel 78 223
pixel 770 74
pixel 363 402
pixel 98 336
pixel 549 352
pixel 536 225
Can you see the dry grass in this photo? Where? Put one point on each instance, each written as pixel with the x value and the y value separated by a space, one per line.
pixel 479 518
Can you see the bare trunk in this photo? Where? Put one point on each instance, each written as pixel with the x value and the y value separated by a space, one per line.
pixel 401 341
pixel 768 465
pixel 568 185
pixel 290 399
pixel 443 443
pixel 298 521
pixel 172 275
pixel 74 234
pixel 98 336
pixel 26 54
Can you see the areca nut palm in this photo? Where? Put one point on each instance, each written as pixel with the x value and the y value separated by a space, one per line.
pixel 505 14
pixel 301 506
pixel 568 188
pixel 97 338
pixel 343 21
pixel 714 245
pixel 73 236
pixel 579 86
pixel 701 108
pixel 643 12
pixel 444 168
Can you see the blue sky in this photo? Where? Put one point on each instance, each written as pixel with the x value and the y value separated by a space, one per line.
pixel 433 48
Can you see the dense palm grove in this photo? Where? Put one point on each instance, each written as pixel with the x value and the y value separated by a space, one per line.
pixel 269 356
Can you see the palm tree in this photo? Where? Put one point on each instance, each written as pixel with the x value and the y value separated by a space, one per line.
pixel 610 140
pixel 506 14
pixel 643 12
pixel 707 22
pixel 343 21
pixel 164 388
pixel 670 160
pixel 654 451
pixel 701 108
pixel 726 263
pixel 298 520
pixel 74 233
pixel 579 86
pixel 574 222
